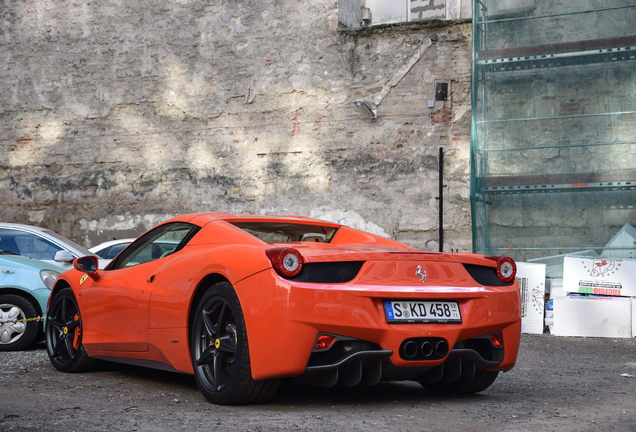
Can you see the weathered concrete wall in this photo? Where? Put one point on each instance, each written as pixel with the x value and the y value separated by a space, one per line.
pixel 116 115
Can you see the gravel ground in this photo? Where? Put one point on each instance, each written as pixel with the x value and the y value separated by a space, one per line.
pixel 559 384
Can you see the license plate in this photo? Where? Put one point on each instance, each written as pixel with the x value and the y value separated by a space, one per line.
pixel 409 311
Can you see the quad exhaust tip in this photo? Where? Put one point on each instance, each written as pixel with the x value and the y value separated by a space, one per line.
pixel 427 348
pixel 410 349
pixel 424 349
pixel 441 349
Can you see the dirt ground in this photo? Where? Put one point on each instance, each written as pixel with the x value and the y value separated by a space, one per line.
pixel 559 384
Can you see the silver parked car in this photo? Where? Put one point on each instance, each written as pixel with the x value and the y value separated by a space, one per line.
pixel 42 244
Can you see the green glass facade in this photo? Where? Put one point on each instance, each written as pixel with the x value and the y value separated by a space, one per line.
pixel 553 145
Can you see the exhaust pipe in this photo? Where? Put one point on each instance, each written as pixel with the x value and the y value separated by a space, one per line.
pixel 427 349
pixel 424 348
pixel 410 349
pixel 441 349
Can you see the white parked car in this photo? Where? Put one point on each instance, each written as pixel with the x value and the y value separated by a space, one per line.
pixel 110 249
pixel 42 244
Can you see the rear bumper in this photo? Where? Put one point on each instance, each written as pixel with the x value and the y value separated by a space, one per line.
pixel 284 319
pixel 353 362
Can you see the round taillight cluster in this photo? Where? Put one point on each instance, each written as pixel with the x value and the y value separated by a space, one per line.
pixel 287 262
pixel 506 268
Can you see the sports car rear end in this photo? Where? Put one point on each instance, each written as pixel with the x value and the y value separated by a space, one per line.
pixel 364 314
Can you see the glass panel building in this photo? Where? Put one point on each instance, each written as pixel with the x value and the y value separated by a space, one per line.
pixel 553 149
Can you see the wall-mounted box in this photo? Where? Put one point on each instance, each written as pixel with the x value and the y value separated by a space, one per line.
pixel 441 91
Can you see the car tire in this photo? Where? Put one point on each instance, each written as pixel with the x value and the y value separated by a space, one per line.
pixel 63 334
pixel 17 336
pixel 480 382
pixel 220 351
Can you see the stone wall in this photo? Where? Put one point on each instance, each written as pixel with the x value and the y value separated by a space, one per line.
pixel 116 115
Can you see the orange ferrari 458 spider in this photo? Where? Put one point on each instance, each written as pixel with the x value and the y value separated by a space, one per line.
pixel 245 301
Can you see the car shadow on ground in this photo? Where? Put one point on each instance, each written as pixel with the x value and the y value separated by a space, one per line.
pixel 381 394
pixel 289 393
pixel 293 394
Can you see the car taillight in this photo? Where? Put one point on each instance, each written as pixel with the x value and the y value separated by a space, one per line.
pixel 506 268
pixel 324 342
pixel 288 262
pixel 497 339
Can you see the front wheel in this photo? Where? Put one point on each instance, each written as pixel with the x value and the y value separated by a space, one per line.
pixel 480 382
pixel 220 353
pixel 63 334
pixel 16 332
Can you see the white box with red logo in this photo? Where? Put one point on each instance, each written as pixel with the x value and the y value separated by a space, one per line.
pixel 531 279
pixel 600 276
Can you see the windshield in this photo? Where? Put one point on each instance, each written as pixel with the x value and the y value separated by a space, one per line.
pixel 277 232
pixel 83 251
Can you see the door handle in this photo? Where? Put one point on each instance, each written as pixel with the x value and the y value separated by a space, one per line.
pixel 150 279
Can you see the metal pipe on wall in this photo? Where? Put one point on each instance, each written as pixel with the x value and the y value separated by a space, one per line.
pixel 441 199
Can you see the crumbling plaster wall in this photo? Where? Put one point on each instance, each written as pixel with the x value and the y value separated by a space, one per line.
pixel 115 115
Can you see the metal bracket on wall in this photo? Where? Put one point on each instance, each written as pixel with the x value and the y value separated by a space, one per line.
pixel 401 73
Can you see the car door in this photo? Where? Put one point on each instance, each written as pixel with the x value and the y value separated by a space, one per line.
pixel 115 305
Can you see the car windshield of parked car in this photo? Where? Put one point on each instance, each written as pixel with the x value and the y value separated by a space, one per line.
pixel 27 244
pixel 112 251
pixel 81 249
pixel 158 243
pixel 276 232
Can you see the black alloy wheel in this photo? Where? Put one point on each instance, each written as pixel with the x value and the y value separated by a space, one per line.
pixel 63 334
pixel 220 354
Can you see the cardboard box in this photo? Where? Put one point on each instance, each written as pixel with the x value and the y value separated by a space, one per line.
pixel 554 287
pixel 601 276
pixel 554 264
pixel 589 316
pixel 633 317
pixel 549 315
pixel 531 278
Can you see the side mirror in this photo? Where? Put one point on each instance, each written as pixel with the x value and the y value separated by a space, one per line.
pixel 86 264
pixel 63 256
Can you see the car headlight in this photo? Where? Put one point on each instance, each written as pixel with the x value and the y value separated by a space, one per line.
pixel 49 277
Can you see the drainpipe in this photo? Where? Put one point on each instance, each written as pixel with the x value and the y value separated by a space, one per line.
pixel 441 199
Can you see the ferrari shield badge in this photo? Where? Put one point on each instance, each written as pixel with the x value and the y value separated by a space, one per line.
pixel 83 279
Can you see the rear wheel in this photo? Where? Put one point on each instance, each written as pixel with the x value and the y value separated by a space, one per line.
pixel 16 333
pixel 220 352
pixel 63 334
pixel 480 382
